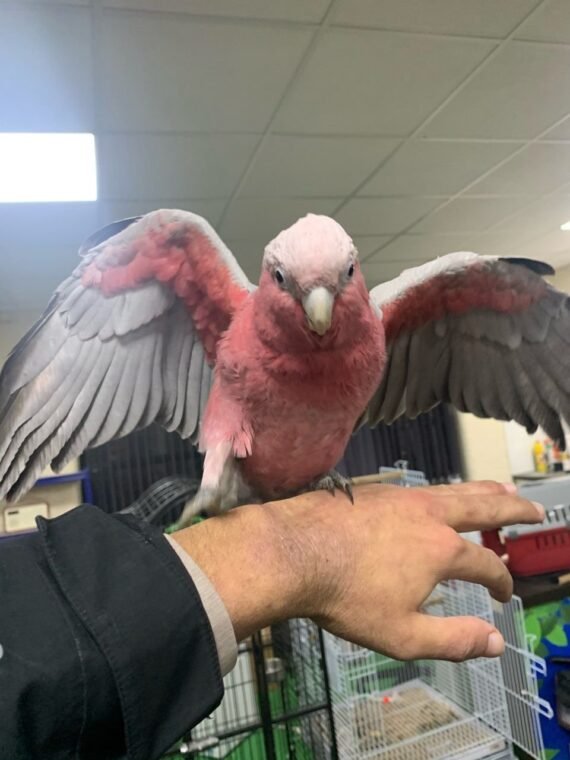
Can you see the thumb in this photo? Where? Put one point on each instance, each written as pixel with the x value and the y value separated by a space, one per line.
pixel 453 638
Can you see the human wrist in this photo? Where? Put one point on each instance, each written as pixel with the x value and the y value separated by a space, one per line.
pixel 250 557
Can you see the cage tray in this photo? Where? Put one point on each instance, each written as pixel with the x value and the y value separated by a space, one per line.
pixel 414 722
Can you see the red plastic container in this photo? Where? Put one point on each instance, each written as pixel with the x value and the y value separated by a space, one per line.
pixel 547 551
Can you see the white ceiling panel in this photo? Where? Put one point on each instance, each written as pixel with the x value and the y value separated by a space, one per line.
pixel 415 248
pixel 53 2
pixel 172 166
pixel 560 132
pixel 45 69
pixel 181 95
pixel 368 244
pixel 249 254
pixel 502 100
pixel 496 242
pixel 382 216
pixel 30 225
pixel 113 210
pixel 484 18
pixel 314 166
pixel 264 218
pixel 553 248
pixel 376 272
pixel 538 217
pixel 540 168
pixel 366 82
pixel 551 23
pixel 42 239
pixel 435 168
pixel 160 72
pixel 292 10
pixel 469 214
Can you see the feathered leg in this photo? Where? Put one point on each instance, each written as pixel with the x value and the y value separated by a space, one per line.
pixel 219 489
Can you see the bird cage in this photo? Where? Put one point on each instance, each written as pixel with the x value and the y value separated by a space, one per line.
pixel 437 710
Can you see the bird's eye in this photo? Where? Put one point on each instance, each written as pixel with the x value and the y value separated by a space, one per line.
pixel 350 271
pixel 279 277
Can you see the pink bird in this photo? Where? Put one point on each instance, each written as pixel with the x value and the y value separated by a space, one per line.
pixel 158 323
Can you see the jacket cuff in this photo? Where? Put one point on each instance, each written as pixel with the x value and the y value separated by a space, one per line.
pixel 216 611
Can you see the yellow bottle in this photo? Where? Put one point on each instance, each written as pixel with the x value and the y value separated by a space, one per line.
pixel 539 456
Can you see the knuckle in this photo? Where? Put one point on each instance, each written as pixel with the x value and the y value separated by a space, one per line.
pixel 494 510
pixel 492 485
pixel 433 509
pixel 409 649
pixel 463 649
pixel 453 544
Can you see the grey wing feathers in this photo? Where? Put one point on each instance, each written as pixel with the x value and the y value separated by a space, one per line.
pixel 508 366
pixel 92 371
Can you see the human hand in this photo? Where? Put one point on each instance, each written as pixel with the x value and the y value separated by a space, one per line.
pixel 363 572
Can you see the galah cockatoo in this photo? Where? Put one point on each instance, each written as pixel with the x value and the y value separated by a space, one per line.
pixel 158 323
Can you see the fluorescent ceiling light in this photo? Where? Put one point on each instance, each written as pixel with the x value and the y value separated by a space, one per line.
pixel 565 226
pixel 47 167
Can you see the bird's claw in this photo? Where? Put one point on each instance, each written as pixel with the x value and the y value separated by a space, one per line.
pixel 332 482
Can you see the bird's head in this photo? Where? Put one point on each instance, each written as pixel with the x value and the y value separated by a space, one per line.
pixel 311 275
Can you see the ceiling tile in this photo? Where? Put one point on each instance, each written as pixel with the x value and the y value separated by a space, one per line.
pixel 43 239
pixel 372 216
pixel 160 72
pixel 502 100
pixel 551 23
pixel 435 168
pixel 314 166
pixel 172 166
pixel 292 10
pixel 249 254
pixel 363 82
pixel 54 2
pixel 264 218
pixel 45 69
pixel 368 244
pixel 113 210
pixel 540 216
pixel 469 214
pixel 376 272
pixel 553 247
pixel 414 248
pixel 560 132
pixel 540 168
pixel 494 242
pixel 484 18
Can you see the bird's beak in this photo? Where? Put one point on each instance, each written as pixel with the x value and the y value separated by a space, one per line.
pixel 318 305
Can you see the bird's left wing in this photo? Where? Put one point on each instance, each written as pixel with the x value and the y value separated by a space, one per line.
pixel 489 335
pixel 130 338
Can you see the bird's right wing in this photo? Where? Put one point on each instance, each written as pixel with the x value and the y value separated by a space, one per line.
pixel 128 339
pixel 489 335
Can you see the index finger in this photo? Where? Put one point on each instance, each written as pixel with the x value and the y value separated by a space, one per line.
pixel 484 512
pixel 472 488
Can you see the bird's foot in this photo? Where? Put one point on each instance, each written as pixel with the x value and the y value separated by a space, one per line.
pixel 206 500
pixel 332 482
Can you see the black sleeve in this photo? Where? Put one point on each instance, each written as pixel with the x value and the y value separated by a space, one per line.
pixel 105 648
